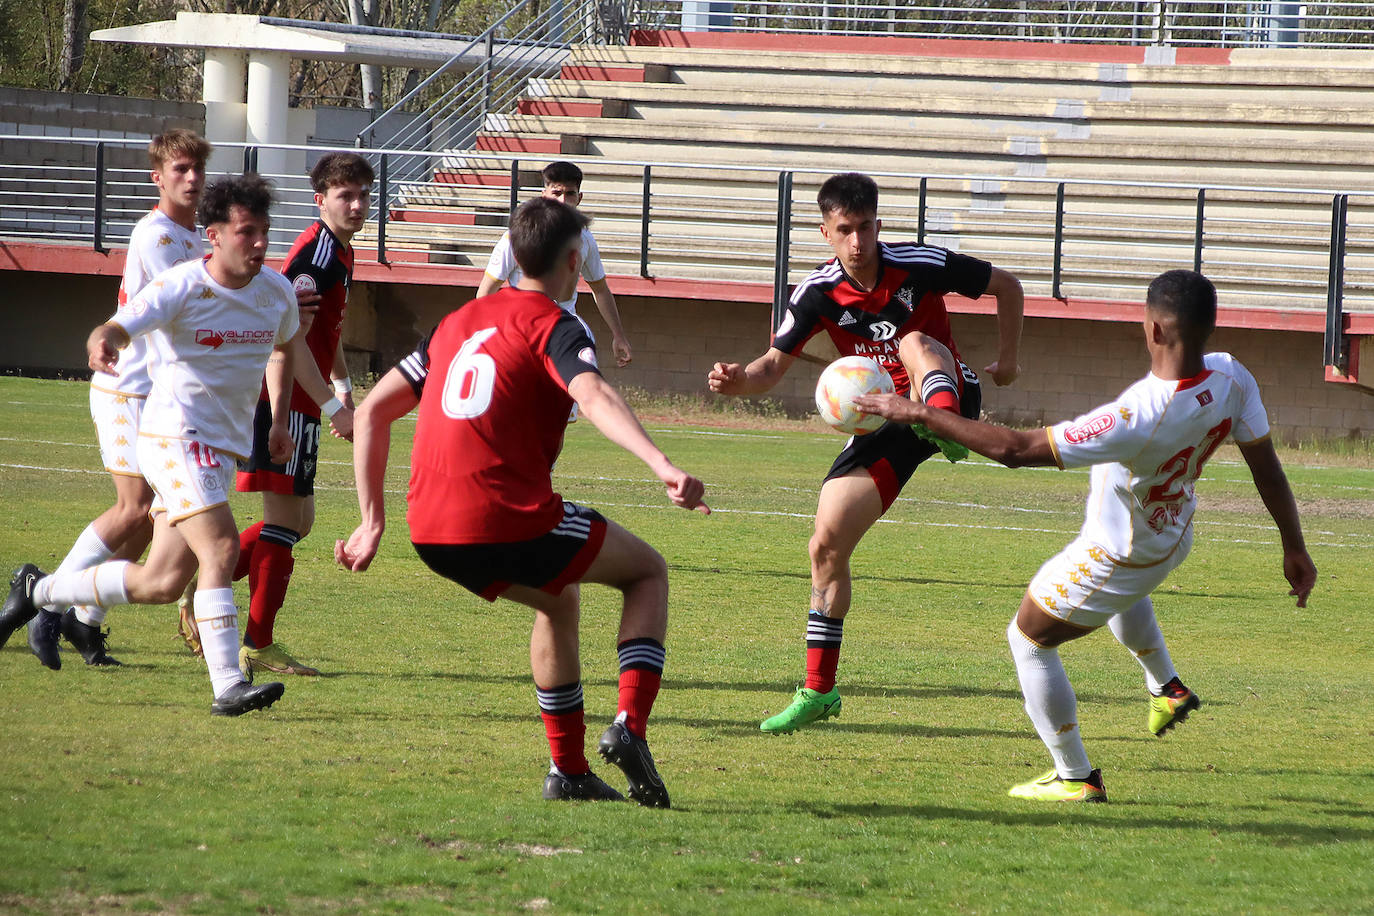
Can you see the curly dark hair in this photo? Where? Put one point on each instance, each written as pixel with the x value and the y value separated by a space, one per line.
pixel 1189 298
pixel 250 191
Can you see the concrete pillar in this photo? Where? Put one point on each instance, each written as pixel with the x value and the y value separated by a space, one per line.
pixel 222 91
pixel 269 77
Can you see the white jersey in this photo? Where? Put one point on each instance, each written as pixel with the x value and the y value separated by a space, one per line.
pixel 1148 447
pixel 157 243
pixel 208 348
pixel 501 266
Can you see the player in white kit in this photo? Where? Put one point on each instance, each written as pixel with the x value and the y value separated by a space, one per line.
pixel 164 237
pixel 213 326
pixel 1146 449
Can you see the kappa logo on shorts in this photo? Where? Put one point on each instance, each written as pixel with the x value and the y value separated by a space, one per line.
pixel 1091 429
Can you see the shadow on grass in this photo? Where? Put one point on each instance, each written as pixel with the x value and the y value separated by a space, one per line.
pixel 1100 816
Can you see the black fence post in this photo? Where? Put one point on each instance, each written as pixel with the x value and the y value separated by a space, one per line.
pixel 1333 344
pixel 782 251
pixel 921 216
pixel 382 207
pixel 1197 230
pixel 1056 290
pixel 98 230
pixel 247 159
pixel 514 190
pixel 644 225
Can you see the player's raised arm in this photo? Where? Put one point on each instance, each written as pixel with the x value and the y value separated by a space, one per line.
pixel 609 413
pixel 1011 305
pixel 756 378
pixel 392 398
pixel 1273 488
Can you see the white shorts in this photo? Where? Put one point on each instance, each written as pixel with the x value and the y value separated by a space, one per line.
pixel 1084 586
pixel 116 419
pixel 187 477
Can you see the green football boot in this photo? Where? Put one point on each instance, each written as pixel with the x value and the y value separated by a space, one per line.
pixel 1172 708
pixel 807 706
pixel 1052 787
pixel 952 451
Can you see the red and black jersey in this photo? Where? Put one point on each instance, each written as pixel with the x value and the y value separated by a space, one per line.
pixel 491 420
pixel 909 296
pixel 319 263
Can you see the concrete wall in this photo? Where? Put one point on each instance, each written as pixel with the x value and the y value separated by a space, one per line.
pixel 1068 367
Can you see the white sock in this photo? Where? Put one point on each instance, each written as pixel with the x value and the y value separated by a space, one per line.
pixel 89 550
pixel 1138 630
pixel 101 586
pixel 218 620
pixel 1050 703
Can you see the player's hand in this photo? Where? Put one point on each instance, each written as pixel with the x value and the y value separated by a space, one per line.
pixel 280 445
pixel 357 552
pixel 102 352
pixel 307 304
pixel 347 400
pixel 725 378
pixel 892 406
pixel 621 347
pixel 1301 573
pixel 684 490
pixel 1002 375
pixel 341 424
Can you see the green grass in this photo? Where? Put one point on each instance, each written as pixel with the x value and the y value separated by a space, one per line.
pixel 408 779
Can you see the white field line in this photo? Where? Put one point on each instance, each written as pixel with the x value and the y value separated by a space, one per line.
pixel 1359 540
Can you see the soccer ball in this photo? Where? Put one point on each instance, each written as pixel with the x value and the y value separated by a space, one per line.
pixel 844 380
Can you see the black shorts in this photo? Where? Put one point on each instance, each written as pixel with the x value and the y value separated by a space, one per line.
pixel 892 452
pixel 550 562
pixel 296 477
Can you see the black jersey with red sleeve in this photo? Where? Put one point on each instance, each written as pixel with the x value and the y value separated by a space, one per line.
pixel 319 263
pixel 492 417
pixel 909 296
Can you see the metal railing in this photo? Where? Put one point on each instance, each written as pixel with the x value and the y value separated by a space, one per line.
pixel 449 108
pixel 1281 248
pixel 1261 23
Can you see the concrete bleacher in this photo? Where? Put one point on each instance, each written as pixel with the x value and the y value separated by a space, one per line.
pixel 1023 117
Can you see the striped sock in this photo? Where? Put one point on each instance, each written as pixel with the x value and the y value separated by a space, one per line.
pixel 641 674
pixel 939 391
pixel 561 710
pixel 823 637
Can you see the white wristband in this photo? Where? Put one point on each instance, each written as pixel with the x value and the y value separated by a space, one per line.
pixel 331 407
pixel 343 385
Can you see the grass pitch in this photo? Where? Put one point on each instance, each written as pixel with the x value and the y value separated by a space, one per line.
pixel 407 779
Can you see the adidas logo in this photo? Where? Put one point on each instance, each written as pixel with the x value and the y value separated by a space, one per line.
pixel 846 318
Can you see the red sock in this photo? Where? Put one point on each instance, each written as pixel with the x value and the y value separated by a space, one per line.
pixel 638 690
pixel 268 579
pixel 567 733
pixel 821 664
pixel 248 541
pixel 939 391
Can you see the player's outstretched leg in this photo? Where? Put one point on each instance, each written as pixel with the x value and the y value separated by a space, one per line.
pixel 1170 702
pixel 933 373
pixel 19 607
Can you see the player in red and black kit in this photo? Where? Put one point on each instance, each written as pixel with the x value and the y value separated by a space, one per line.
pixel 320 262
pixel 886 302
pixel 494 383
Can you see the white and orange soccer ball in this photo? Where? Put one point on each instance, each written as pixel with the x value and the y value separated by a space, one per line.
pixel 844 380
